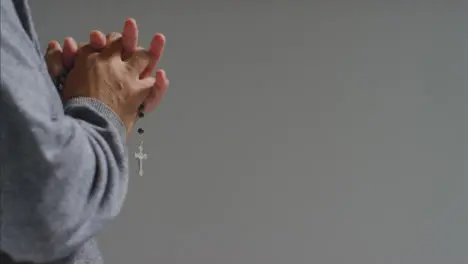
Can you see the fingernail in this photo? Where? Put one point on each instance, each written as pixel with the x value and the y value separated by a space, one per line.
pixel 52 45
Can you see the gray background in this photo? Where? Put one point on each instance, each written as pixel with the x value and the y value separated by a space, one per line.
pixel 295 132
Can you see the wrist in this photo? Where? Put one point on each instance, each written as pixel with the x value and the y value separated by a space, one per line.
pixel 101 108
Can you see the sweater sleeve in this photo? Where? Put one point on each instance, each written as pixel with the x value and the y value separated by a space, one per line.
pixel 63 168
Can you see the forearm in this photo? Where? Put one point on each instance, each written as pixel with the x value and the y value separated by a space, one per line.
pixel 62 175
pixel 60 182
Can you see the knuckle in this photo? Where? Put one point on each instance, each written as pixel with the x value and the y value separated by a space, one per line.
pixel 114 35
pixel 143 56
pixel 131 67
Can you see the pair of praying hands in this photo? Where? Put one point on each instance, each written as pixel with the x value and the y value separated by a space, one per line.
pixel 111 69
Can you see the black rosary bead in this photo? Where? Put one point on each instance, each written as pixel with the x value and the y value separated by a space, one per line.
pixel 141 108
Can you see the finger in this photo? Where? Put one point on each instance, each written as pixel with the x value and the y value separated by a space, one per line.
pixel 113 46
pixel 113 36
pixel 97 40
pixel 129 38
pixel 53 58
pixel 145 87
pixel 156 49
pixel 70 49
pixel 53 45
pixel 139 60
pixel 147 83
pixel 82 45
pixel 157 92
pixel 85 49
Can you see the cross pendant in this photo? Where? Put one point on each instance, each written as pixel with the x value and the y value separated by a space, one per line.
pixel 140 156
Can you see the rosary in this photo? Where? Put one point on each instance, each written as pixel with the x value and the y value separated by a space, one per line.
pixel 140 156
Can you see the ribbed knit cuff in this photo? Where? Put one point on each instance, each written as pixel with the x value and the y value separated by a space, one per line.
pixel 102 109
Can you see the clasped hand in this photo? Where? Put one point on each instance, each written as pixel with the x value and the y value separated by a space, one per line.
pixel 111 69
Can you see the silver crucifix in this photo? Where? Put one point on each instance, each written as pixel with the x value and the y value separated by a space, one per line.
pixel 140 156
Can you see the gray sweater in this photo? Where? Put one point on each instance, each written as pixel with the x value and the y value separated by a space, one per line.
pixel 63 166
